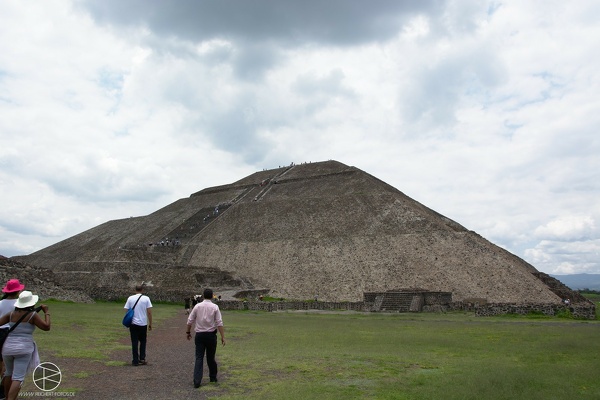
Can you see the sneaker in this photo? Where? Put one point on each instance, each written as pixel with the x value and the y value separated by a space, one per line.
pixel 143 362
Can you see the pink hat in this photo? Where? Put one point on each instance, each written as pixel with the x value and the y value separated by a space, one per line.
pixel 13 286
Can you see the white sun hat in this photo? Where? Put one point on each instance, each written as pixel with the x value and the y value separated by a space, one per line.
pixel 26 299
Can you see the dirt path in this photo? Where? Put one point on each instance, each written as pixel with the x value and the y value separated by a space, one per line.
pixel 168 374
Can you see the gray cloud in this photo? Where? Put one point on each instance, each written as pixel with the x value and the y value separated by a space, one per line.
pixel 435 94
pixel 308 84
pixel 253 60
pixel 235 129
pixel 261 30
pixel 334 22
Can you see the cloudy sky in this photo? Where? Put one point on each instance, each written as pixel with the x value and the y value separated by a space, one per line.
pixel 486 111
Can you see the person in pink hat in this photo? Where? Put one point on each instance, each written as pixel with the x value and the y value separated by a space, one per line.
pixel 11 293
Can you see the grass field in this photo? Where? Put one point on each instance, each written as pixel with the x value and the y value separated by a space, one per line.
pixel 370 356
pixel 593 297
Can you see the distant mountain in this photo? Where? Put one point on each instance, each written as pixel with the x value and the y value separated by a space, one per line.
pixel 580 281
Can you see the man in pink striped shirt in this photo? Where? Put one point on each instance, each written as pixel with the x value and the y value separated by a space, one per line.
pixel 206 320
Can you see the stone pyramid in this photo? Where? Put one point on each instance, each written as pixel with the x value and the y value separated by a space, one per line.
pixel 316 229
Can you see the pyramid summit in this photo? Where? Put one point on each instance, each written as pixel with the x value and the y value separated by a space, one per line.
pixel 315 229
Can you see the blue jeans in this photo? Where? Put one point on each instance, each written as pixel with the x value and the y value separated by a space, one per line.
pixel 138 337
pixel 205 342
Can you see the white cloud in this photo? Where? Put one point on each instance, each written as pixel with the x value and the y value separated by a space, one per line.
pixel 566 257
pixel 566 244
pixel 568 228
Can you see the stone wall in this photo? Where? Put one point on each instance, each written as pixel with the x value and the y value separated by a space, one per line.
pixel 560 289
pixel 271 306
pixel 436 298
pixel 432 302
pixel 406 300
pixel 40 281
pixel 393 301
pixel 578 310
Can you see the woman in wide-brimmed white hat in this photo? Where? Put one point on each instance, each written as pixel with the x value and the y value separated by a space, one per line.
pixel 19 350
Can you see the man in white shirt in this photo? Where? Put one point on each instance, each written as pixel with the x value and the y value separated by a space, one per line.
pixel 142 322
pixel 206 320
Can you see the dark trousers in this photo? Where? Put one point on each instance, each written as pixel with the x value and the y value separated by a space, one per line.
pixel 205 342
pixel 138 338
